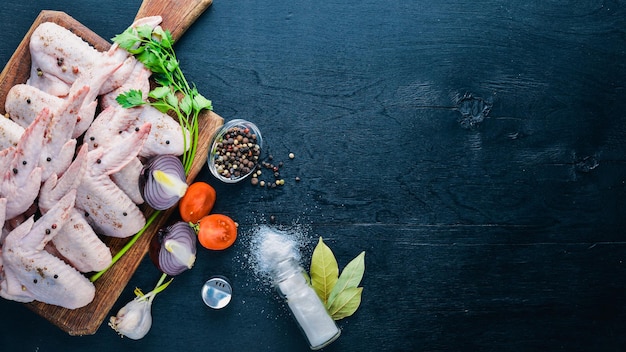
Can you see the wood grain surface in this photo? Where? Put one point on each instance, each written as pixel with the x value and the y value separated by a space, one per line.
pixel 87 320
pixel 475 150
pixel 178 15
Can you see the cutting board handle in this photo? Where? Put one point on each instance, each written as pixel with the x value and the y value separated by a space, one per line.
pixel 178 15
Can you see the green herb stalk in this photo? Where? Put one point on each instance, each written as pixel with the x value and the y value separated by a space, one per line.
pixel 174 94
pixel 154 48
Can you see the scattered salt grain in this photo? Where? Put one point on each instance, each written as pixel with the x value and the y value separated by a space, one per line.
pixel 271 246
pixel 263 239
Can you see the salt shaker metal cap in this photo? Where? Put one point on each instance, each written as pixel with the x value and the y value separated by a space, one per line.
pixel 216 292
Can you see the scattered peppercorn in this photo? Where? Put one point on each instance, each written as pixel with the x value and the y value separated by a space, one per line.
pixel 275 171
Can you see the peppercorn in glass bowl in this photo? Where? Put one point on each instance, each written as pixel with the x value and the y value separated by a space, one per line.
pixel 235 151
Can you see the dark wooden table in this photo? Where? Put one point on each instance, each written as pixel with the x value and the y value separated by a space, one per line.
pixel 475 150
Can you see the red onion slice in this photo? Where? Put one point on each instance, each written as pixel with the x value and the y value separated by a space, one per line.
pixel 174 248
pixel 162 181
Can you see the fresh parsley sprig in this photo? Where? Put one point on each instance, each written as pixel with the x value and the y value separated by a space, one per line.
pixel 154 48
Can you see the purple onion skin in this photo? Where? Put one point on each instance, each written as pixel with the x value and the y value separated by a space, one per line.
pixel 164 260
pixel 151 191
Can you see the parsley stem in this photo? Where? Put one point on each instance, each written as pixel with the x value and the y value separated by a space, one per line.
pixel 153 48
pixel 127 246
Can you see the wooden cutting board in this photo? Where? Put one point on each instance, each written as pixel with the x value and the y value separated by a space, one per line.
pixel 177 15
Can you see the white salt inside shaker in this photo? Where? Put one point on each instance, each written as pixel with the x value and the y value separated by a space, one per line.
pixel 317 325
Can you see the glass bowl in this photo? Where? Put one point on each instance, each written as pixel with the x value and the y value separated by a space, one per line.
pixel 235 151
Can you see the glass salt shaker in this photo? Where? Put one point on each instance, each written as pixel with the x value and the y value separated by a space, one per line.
pixel 306 307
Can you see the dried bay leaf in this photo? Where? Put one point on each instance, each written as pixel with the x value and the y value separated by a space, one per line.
pixel 324 270
pixel 345 303
pixel 350 277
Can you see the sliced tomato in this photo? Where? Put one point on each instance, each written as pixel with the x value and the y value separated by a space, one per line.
pixel 217 231
pixel 197 202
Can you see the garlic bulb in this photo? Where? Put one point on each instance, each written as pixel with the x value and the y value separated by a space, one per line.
pixel 134 320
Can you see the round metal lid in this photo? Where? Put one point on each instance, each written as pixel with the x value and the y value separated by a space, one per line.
pixel 216 292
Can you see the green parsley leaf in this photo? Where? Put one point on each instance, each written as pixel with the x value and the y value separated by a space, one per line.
pixel 151 60
pixel 162 80
pixel 200 103
pixel 126 39
pixel 159 92
pixel 161 106
pixel 185 104
pixel 144 31
pixel 130 99
pixel 171 65
pixel 171 99
pixel 163 37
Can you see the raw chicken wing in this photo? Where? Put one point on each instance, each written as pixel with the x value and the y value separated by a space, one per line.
pixel 29 273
